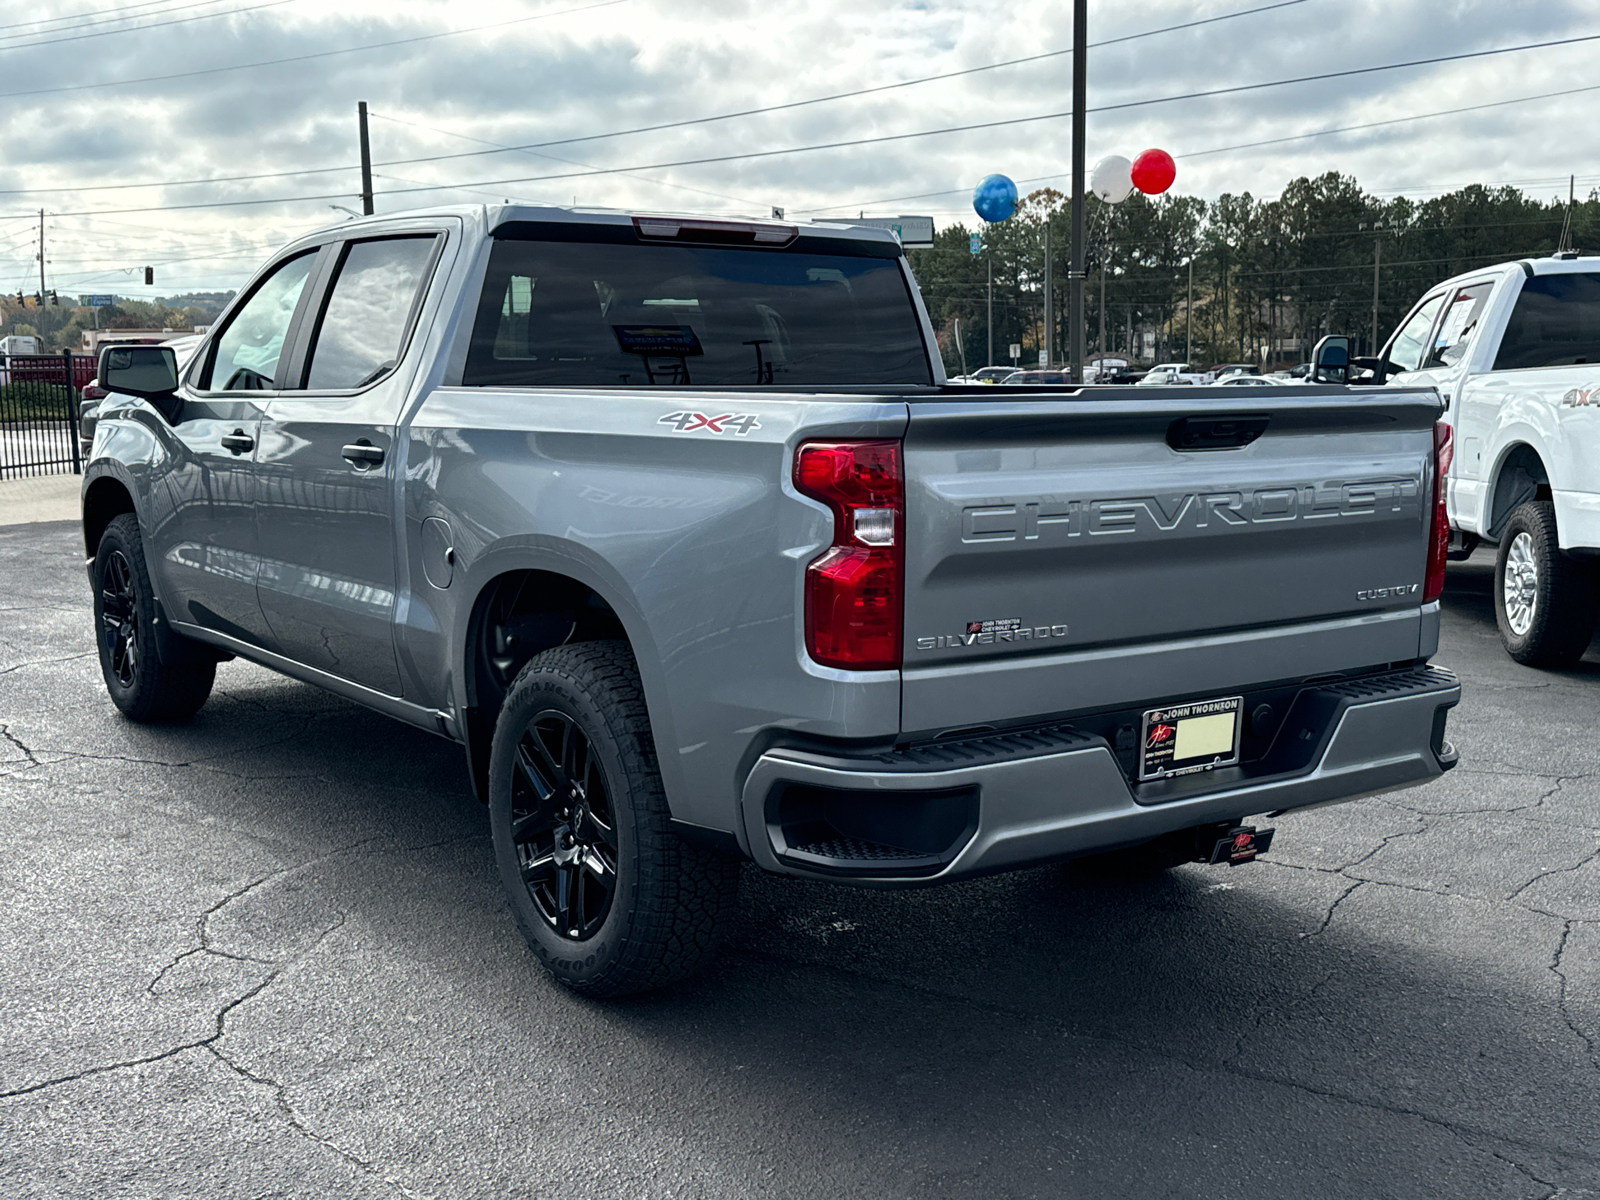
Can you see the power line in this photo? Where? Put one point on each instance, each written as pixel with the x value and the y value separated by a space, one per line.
pixel 274 62
pixel 528 149
pixel 125 8
pixel 858 204
pixel 867 91
pixel 79 37
pixel 571 162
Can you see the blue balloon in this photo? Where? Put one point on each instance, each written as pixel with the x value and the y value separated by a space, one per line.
pixel 995 198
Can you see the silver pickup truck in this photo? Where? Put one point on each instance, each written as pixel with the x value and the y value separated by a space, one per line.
pixel 675 527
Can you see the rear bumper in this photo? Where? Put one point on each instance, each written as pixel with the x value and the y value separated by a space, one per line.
pixel 955 809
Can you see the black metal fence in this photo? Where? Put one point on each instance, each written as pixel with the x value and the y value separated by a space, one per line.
pixel 39 415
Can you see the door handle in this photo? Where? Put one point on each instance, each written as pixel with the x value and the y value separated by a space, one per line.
pixel 363 454
pixel 238 441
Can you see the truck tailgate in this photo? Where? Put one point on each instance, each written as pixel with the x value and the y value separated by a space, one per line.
pixel 1108 549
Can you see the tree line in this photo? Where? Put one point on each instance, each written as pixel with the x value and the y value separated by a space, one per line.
pixel 1269 276
pixel 60 326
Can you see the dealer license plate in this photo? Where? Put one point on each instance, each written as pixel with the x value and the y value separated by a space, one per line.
pixel 1186 738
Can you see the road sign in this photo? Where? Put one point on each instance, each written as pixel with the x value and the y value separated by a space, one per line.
pixel 1016 351
pixel 913 232
pixel 975 244
pixel 1043 360
pixel 97 301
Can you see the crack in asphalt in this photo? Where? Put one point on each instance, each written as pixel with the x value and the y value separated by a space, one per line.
pixel 5 732
pixel 46 662
pixel 1561 993
pixel 1577 866
pixel 202 922
pixel 293 1120
pixel 219 1031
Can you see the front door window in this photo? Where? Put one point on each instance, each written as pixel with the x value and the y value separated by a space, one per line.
pixel 1405 352
pixel 247 353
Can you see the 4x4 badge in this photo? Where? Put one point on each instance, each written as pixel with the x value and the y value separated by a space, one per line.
pixel 688 422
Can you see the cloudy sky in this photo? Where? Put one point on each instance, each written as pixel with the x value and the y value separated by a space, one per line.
pixel 96 95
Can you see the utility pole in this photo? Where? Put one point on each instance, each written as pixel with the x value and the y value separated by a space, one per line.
pixel 1049 302
pixel 1377 254
pixel 41 258
pixel 1080 91
pixel 366 160
pixel 988 258
pixel 1188 319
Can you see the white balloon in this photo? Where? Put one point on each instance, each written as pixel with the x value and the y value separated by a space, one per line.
pixel 1112 179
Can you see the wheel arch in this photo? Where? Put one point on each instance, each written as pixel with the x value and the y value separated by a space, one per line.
pixel 1519 476
pixel 523 603
pixel 104 499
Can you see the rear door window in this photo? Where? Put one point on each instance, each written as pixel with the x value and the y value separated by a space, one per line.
pixel 1555 323
pixel 1461 320
pixel 1411 342
pixel 369 312
pixel 612 314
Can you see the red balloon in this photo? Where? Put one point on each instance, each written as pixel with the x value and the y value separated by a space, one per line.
pixel 1154 171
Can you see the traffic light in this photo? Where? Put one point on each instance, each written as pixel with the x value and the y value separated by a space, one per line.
pixel 149 276
pixel 55 300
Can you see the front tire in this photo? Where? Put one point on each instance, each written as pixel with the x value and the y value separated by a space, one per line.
pixel 1544 601
pixel 141 685
pixel 611 900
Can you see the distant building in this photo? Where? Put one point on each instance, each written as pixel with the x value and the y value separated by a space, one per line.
pixel 93 339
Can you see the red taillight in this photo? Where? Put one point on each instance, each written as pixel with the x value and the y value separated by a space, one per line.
pixel 1444 449
pixel 854 593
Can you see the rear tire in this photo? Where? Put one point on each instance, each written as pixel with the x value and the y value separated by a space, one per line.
pixel 611 900
pixel 141 685
pixel 1545 602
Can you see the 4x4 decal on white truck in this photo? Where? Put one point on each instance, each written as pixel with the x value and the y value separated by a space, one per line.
pixel 688 422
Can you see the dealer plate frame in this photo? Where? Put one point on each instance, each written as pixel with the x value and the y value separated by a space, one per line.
pixel 1171 714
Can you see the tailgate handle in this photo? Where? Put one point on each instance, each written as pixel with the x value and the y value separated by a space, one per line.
pixel 1215 433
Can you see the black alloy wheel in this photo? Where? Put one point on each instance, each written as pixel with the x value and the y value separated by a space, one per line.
pixel 610 899
pixel 119 619
pixel 147 681
pixel 563 826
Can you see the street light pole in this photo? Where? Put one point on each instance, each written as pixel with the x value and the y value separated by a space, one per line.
pixel 1080 90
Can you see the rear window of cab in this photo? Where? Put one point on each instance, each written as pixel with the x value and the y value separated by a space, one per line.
pixel 613 314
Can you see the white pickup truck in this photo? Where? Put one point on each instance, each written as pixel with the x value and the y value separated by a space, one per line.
pixel 1514 351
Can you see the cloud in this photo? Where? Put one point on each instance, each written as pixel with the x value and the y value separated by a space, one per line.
pixel 647 62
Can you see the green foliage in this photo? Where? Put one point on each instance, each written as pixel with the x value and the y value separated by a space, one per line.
pixel 1270 276
pixel 33 402
pixel 62 326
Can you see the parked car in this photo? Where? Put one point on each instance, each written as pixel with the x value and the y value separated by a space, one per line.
pixel 1227 370
pixel 1165 377
pixel 1251 381
pixel 1052 377
pixel 699 570
pixel 990 374
pixel 1514 351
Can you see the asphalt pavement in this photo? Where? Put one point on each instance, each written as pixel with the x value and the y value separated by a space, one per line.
pixel 265 954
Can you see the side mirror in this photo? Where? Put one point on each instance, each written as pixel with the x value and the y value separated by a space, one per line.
pixel 149 372
pixel 1330 361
